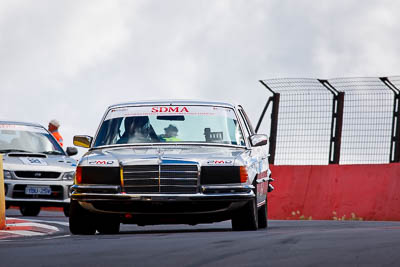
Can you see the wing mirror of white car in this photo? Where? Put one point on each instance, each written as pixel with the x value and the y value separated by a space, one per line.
pixel 83 141
pixel 259 140
pixel 71 151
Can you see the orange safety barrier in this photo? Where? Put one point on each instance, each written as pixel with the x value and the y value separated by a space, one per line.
pixel 2 197
pixel 336 192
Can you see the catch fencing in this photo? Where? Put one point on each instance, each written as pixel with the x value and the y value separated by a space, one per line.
pixel 335 121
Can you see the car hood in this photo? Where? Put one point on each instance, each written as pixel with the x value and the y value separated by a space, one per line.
pixel 203 155
pixel 38 162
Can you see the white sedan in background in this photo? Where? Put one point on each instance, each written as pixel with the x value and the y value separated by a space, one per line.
pixel 37 171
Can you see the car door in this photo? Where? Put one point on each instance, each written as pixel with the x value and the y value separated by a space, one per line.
pixel 260 154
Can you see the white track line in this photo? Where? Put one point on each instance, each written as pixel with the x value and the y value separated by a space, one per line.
pixel 35 231
pixel 53 222
pixel 39 225
pixel 23 232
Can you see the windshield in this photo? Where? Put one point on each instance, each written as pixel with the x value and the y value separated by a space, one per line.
pixel 22 138
pixel 170 124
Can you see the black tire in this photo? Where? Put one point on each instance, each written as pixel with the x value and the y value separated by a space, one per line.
pixel 66 210
pixel 263 216
pixel 29 210
pixel 246 218
pixel 108 225
pixel 81 221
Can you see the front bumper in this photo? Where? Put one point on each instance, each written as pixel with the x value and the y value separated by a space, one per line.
pixel 92 193
pixel 209 200
pixel 15 192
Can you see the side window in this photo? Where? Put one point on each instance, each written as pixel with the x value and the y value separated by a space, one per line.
pixel 109 132
pixel 245 129
pixel 246 122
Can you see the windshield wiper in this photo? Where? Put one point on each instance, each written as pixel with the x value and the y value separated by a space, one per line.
pixel 13 150
pixel 52 152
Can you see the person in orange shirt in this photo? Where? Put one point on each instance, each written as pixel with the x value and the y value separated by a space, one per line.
pixel 53 128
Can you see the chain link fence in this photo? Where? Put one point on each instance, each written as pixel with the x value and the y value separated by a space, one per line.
pixel 304 121
pixel 367 120
pixel 344 120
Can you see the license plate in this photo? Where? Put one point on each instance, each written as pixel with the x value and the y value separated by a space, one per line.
pixel 38 190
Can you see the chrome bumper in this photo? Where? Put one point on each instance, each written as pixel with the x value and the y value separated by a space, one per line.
pixel 91 193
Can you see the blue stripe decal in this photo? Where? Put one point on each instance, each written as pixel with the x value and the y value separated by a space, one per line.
pixel 172 161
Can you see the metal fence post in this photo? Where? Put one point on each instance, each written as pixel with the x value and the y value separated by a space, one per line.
pixel 337 122
pixel 274 127
pixel 274 121
pixel 263 114
pixel 395 140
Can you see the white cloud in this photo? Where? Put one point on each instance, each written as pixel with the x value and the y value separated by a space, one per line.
pixel 360 40
pixel 71 59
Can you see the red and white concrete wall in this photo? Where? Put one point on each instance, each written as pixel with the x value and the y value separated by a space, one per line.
pixel 336 192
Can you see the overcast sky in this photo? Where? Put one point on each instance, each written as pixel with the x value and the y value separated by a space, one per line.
pixel 69 60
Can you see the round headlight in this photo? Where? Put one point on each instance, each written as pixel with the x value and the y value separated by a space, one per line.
pixel 7 174
pixel 68 176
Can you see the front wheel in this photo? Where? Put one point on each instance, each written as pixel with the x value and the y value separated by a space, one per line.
pixel 29 210
pixel 108 225
pixel 246 218
pixel 66 210
pixel 81 221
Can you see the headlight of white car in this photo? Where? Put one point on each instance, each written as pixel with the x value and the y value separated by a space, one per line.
pixel 68 176
pixel 7 174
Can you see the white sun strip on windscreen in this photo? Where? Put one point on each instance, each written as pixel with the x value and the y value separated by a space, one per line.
pixel 16 127
pixel 170 111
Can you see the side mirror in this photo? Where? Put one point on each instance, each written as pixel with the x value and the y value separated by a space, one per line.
pixel 83 141
pixel 71 151
pixel 259 140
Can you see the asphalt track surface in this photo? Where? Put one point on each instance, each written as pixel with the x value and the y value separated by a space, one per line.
pixel 284 243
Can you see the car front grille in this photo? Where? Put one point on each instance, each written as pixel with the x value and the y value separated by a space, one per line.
pixel 178 179
pixel 37 174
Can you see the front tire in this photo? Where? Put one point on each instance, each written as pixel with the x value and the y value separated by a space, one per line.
pixel 246 218
pixel 108 225
pixel 81 221
pixel 29 210
pixel 66 210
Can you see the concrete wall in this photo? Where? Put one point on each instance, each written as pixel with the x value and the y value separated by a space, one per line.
pixel 338 192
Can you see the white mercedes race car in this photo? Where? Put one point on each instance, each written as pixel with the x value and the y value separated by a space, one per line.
pixel 171 162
